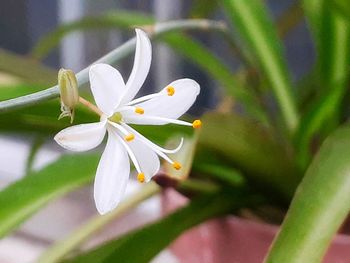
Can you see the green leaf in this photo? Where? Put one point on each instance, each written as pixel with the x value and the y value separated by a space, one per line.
pixel 27 69
pixel 88 229
pixel 206 60
pixel 24 197
pixel 203 8
pixel 321 204
pixel 42 119
pixel 251 20
pixel 37 142
pixel 12 91
pixel 332 36
pixel 136 246
pixel 245 145
pixel 208 164
pixel 116 19
pixel 343 7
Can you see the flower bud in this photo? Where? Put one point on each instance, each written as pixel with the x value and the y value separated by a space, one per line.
pixel 68 84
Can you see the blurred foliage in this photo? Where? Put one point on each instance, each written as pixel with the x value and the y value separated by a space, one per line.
pixel 30 71
pixel 26 196
pixel 343 7
pixel 255 26
pixel 132 246
pixel 246 152
pixel 115 19
pixel 203 8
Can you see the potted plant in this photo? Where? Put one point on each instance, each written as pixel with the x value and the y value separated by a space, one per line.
pixel 274 151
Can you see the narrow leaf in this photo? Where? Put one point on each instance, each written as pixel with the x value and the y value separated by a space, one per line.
pixel 143 244
pixel 245 144
pixel 112 20
pixel 88 229
pixel 27 69
pixel 332 36
pixel 321 204
pixel 343 7
pixel 251 20
pixel 24 197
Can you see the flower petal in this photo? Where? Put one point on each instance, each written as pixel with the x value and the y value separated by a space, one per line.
pixel 107 86
pixel 142 63
pixel 112 175
pixel 172 107
pixel 148 160
pixel 81 137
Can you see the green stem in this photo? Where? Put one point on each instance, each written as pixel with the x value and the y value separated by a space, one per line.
pixel 111 58
pixel 59 250
pixel 198 186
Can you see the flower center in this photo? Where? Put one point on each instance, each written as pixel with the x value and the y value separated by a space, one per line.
pixel 116 117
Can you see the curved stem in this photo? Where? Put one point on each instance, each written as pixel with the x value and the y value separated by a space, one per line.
pixel 113 57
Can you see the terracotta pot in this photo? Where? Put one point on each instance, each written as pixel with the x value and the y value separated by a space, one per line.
pixel 235 240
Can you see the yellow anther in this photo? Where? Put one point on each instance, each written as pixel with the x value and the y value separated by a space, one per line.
pixel 141 177
pixel 129 137
pixel 177 165
pixel 170 90
pixel 197 124
pixel 139 110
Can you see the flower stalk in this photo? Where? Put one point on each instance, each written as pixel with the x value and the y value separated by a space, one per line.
pixel 112 58
pixel 91 106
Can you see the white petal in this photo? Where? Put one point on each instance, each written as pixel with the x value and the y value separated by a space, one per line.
pixel 172 107
pixel 142 63
pixel 82 137
pixel 148 160
pixel 107 86
pixel 111 176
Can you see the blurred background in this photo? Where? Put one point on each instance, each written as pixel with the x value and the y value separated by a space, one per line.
pixel 24 22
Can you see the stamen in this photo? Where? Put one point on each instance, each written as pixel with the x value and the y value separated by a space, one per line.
pixel 129 137
pixel 153 145
pixel 170 90
pixel 139 110
pixel 128 149
pixel 197 124
pixel 177 165
pixel 162 119
pixel 141 177
pixel 119 127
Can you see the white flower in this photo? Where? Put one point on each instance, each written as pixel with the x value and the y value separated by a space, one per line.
pixel 115 100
